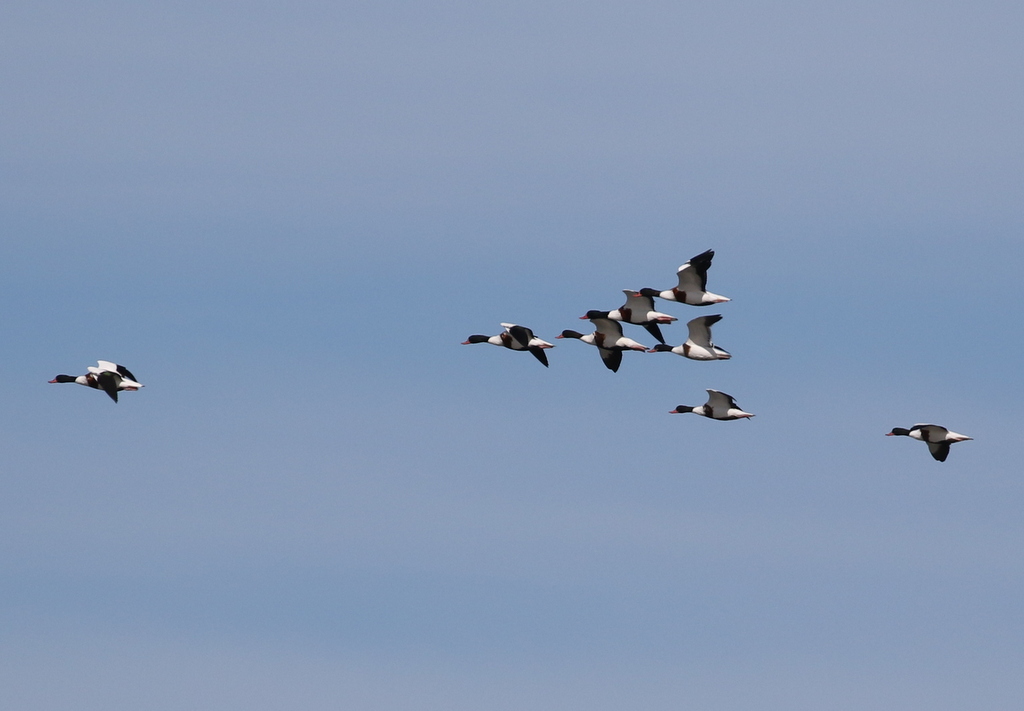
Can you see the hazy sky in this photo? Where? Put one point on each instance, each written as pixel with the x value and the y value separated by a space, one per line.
pixel 285 217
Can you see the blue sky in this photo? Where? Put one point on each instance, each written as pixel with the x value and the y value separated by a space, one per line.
pixel 285 217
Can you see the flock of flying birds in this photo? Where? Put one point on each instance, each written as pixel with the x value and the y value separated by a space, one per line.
pixel 112 378
pixel 639 310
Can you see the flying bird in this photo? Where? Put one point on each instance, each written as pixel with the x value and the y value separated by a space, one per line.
pixel 693 283
pixel 607 337
pixel 516 338
pixel 698 346
pixel 718 407
pixel 938 438
pixel 106 376
pixel 609 332
pixel 639 310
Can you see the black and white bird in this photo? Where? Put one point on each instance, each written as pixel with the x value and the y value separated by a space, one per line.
pixel 718 407
pixel 109 377
pixel 639 310
pixel 693 283
pixel 698 346
pixel 609 332
pixel 607 337
pixel 938 438
pixel 516 338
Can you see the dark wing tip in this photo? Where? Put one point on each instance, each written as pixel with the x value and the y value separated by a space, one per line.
pixel 699 266
pixel 539 353
pixel 652 328
pixel 108 383
pixel 702 260
pixel 611 359
pixel 126 373
pixel 941 451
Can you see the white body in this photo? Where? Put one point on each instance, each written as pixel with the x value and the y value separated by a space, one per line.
pixel 699 346
pixel 937 437
pixel 936 433
pixel 514 343
pixel 639 310
pixel 105 366
pixel 723 407
pixel 719 406
pixel 693 283
pixel 609 341
pixel 609 335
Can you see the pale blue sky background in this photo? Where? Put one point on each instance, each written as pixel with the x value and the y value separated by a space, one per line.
pixel 285 217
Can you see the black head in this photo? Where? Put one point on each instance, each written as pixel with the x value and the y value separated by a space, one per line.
pixel 898 431
pixel 593 313
pixel 568 333
pixel 647 291
pixel 681 409
pixel 661 348
pixel 476 339
pixel 64 379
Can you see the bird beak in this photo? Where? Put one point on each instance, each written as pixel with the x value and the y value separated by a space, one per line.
pixel 888 434
pixel 53 381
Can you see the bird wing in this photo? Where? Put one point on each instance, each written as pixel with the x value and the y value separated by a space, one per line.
pixel 105 366
pixel 611 330
pixel 108 382
pixel 719 400
pixel 932 433
pixel 939 450
pixel 637 304
pixel 694 274
pixel 521 334
pixel 125 373
pixel 700 329
pixel 539 354
pixel 652 328
pixel 612 358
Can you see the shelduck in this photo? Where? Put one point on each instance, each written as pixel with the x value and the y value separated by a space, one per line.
pixel 718 407
pixel 639 310
pixel 106 376
pixel 609 332
pixel 516 338
pixel 693 282
pixel 607 337
pixel 938 438
pixel 698 346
